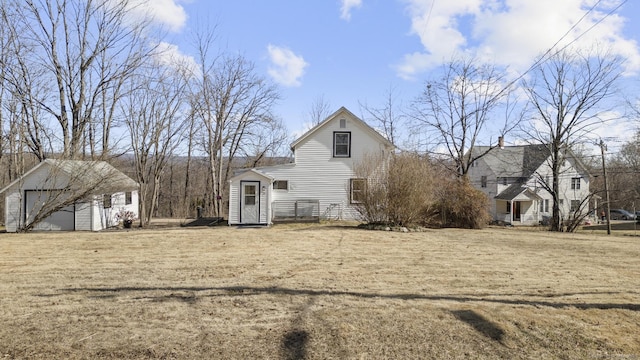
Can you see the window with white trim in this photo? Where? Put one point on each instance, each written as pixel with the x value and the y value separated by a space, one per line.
pixel 128 198
pixel 483 181
pixel 281 185
pixel 575 183
pixel 342 144
pixel 357 190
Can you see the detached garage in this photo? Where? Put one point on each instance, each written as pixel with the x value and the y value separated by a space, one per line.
pixel 69 195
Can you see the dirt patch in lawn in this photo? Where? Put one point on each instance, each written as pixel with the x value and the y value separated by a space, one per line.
pixel 317 292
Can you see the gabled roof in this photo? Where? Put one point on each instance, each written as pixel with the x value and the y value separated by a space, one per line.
pixel 251 170
pixel 336 114
pixel 514 190
pixel 514 161
pixel 520 161
pixel 91 171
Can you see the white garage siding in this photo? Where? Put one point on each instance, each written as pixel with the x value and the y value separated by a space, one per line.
pixel 24 197
pixel 13 207
pixel 83 216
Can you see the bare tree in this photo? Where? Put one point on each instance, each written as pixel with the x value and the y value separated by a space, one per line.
pixel 229 100
pixel 455 111
pixel 155 114
pixel 23 89
pixel 266 144
pixel 568 94
pixel 389 118
pixel 83 50
pixel 320 109
pixel 622 170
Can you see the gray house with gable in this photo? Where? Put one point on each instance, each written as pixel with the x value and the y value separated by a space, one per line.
pixel 514 179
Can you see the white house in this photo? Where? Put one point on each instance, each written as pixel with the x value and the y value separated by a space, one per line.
pixel 513 177
pixel 319 184
pixel 69 195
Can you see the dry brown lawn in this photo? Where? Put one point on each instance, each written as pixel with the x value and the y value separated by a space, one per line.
pixel 319 292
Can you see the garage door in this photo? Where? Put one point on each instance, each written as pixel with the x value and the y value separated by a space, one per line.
pixel 59 220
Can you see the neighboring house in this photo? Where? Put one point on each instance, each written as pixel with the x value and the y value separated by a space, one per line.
pixel 78 195
pixel 513 177
pixel 320 184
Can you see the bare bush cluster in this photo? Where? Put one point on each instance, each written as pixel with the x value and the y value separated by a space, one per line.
pixel 461 205
pixel 407 189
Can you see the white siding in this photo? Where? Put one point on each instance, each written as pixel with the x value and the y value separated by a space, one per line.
pixel 83 216
pixel 317 175
pixel 13 207
pixel 531 213
pixel 234 202
pixel 104 218
pixel 567 171
pixel 476 172
pixel 264 190
pixel 87 215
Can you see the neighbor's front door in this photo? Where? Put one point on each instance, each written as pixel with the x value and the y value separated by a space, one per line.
pixel 517 212
pixel 250 202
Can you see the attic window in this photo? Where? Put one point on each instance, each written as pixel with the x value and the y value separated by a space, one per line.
pixel 343 123
pixel 342 144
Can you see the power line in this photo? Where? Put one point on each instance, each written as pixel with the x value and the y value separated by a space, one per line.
pixel 542 58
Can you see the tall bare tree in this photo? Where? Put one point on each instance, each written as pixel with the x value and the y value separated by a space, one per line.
pixel 390 118
pixel 320 109
pixel 230 101
pixel 568 94
pixel 155 114
pixel 83 50
pixel 460 109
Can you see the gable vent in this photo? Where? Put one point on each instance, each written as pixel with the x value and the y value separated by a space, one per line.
pixel 343 123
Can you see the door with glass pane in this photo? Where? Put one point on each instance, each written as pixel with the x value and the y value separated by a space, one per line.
pixel 250 202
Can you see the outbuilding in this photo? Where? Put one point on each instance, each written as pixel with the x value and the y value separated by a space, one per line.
pixel 69 195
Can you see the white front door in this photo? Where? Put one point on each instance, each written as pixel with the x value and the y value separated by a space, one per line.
pixel 250 202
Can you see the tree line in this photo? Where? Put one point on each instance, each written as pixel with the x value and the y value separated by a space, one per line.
pixel 92 79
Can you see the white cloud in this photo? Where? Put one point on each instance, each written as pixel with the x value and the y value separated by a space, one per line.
pixel 286 67
pixel 347 6
pixel 170 55
pixel 168 13
pixel 511 32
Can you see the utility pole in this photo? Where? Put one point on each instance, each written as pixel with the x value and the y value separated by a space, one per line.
pixel 603 148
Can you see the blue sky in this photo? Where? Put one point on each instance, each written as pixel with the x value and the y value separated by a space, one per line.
pixel 353 51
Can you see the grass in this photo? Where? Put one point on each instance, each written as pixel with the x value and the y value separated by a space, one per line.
pixel 318 292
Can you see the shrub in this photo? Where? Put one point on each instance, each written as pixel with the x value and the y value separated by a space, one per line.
pixel 399 189
pixel 461 205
